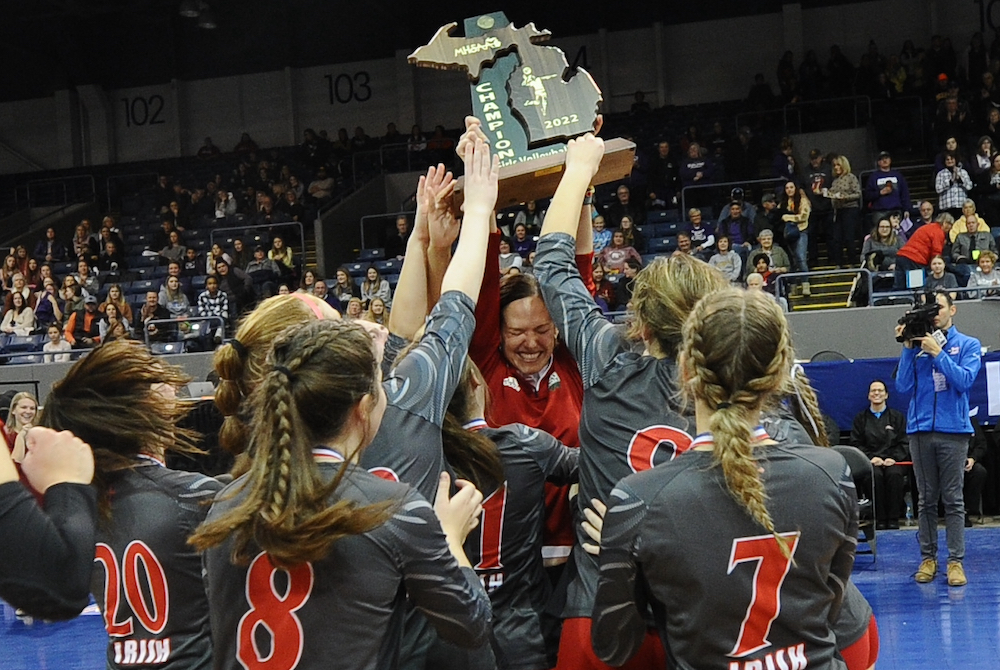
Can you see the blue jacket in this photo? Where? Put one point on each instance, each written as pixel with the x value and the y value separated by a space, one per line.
pixel 945 410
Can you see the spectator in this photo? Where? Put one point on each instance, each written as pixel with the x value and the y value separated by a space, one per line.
pixel 50 249
pixel 377 312
pixel 777 259
pixel 291 206
pixel 374 287
pixel 263 272
pixel 245 146
pixel 623 294
pixel 416 143
pixel 938 426
pixel 727 261
pixel 602 236
pixel 33 277
pixel 845 196
pixel 768 277
pixel 886 189
pixel 531 217
pixel 321 291
pixel 761 97
pixel 973 238
pixel 114 326
pixel 213 302
pixel 395 243
pixel 966 220
pixel 953 119
pixel 521 244
pixel 90 283
pixel 696 170
pixel 117 298
pixel 819 178
pixel 952 185
pixel 236 284
pixel 215 253
pixel 508 259
pixel 702 237
pixel 986 275
pixel 354 309
pixel 172 297
pixel 880 248
pixel 981 162
pixel 225 204
pixel 282 255
pixel 663 175
pixel 152 311
pixel 321 188
pixel 83 329
pixel 738 228
pixel 240 255
pixel 19 319
pixel 47 311
pixel 796 210
pixel 266 214
pixel 208 151
pixel 604 290
pixel 683 243
pixel 176 215
pixel 633 238
pixel 926 243
pixel 84 247
pixel 19 286
pixel 21 256
pixel 309 278
pixel 938 278
pixel 56 348
pixel 624 206
pixel 613 257
pixel 640 107
pixel 880 432
pixel 112 259
pixel 174 249
pixel 192 264
pixel 783 167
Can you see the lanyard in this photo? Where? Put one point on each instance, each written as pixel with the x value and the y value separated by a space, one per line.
pixel 705 439
pixel 475 424
pixel 326 455
pixel 151 459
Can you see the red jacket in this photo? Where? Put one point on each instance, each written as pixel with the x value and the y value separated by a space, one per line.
pixel 926 243
pixel 554 407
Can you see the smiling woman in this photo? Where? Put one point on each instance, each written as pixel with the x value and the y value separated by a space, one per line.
pixel 528 335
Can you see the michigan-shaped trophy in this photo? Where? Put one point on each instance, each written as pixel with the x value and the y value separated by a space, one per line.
pixel 530 102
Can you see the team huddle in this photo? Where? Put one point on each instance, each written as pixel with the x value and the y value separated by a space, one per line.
pixel 496 480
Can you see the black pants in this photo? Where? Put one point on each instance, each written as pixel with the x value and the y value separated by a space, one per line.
pixel 889 485
pixel 843 232
pixel 819 225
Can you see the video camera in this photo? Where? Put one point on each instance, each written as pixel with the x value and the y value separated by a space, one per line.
pixel 919 321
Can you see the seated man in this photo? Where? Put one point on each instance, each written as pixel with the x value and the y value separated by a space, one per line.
pixel 880 432
pixel 82 329
pixel 236 284
pixel 738 228
pixel 778 261
pixel 702 236
pixel 152 310
pixel 263 272
pixel 683 244
pixel 193 264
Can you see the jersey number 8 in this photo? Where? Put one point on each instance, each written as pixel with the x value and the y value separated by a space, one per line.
pixel 276 613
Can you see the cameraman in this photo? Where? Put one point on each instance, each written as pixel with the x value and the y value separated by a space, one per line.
pixel 939 369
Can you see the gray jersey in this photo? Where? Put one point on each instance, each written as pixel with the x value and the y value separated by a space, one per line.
pixel 148 581
pixel 346 610
pixel 728 598
pixel 631 419
pixel 407 447
pixel 506 547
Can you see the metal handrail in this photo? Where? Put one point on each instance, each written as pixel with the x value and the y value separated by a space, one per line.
pixel 387 215
pixel 743 182
pixel 302 235
pixel 806 276
pixel 805 103
pixel 181 319
pixel 973 293
pixel 63 182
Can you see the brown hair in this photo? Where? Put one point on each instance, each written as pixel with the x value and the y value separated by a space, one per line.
pixel 472 455
pixel 313 379
pixel 241 366
pixel 736 354
pixel 107 399
pixel 665 292
pixel 517 287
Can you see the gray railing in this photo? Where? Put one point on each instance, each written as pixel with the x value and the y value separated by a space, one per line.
pixel 195 321
pixel 862 274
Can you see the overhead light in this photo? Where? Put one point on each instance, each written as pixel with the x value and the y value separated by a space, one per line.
pixel 206 20
pixel 190 9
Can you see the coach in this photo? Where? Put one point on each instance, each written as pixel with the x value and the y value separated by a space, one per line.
pixel 937 421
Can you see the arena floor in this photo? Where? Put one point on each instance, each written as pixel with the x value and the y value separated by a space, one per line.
pixel 922 627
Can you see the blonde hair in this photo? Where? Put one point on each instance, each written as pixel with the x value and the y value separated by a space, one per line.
pixel 736 354
pixel 313 380
pixel 240 364
pixel 665 292
pixel 12 422
pixel 845 165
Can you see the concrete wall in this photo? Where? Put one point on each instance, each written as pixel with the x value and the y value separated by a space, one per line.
pixel 676 65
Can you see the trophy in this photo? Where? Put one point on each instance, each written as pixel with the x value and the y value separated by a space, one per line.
pixel 529 101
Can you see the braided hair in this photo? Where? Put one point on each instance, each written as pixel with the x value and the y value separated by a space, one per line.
pixel 735 355
pixel 312 381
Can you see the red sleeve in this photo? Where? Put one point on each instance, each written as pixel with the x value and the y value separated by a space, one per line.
pixel 485 345
pixel 585 264
pixel 70 327
pixel 937 244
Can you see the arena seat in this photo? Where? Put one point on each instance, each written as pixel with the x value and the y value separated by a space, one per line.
pixel 371 254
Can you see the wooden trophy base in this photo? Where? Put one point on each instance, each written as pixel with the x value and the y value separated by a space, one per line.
pixel 537 179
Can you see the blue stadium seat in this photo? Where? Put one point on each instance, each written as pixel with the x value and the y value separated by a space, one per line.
pixel 671 228
pixel 357 269
pixel 387 267
pixel 27 359
pixel 371 254
pixel 198 283
pixel 656 216
pixel 25 343
pixel 662 245
pixel 64 268
pixel 161 348
pixel 142 286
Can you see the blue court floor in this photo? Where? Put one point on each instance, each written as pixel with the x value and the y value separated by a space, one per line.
pixel 922 626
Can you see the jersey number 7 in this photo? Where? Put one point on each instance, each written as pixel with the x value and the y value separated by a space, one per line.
pixel 769 574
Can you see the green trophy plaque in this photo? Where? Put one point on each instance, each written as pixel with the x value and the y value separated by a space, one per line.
pixel 529 101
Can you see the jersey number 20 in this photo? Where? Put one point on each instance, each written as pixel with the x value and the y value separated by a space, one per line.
pixel 152 615
pixel 276 613
pixel 769 574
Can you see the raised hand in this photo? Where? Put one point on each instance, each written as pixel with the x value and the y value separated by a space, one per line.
pixel 436 203
pixel 56 458
pixel 585 153
pixel 473 131
pixel 458 513
pixel 482 174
